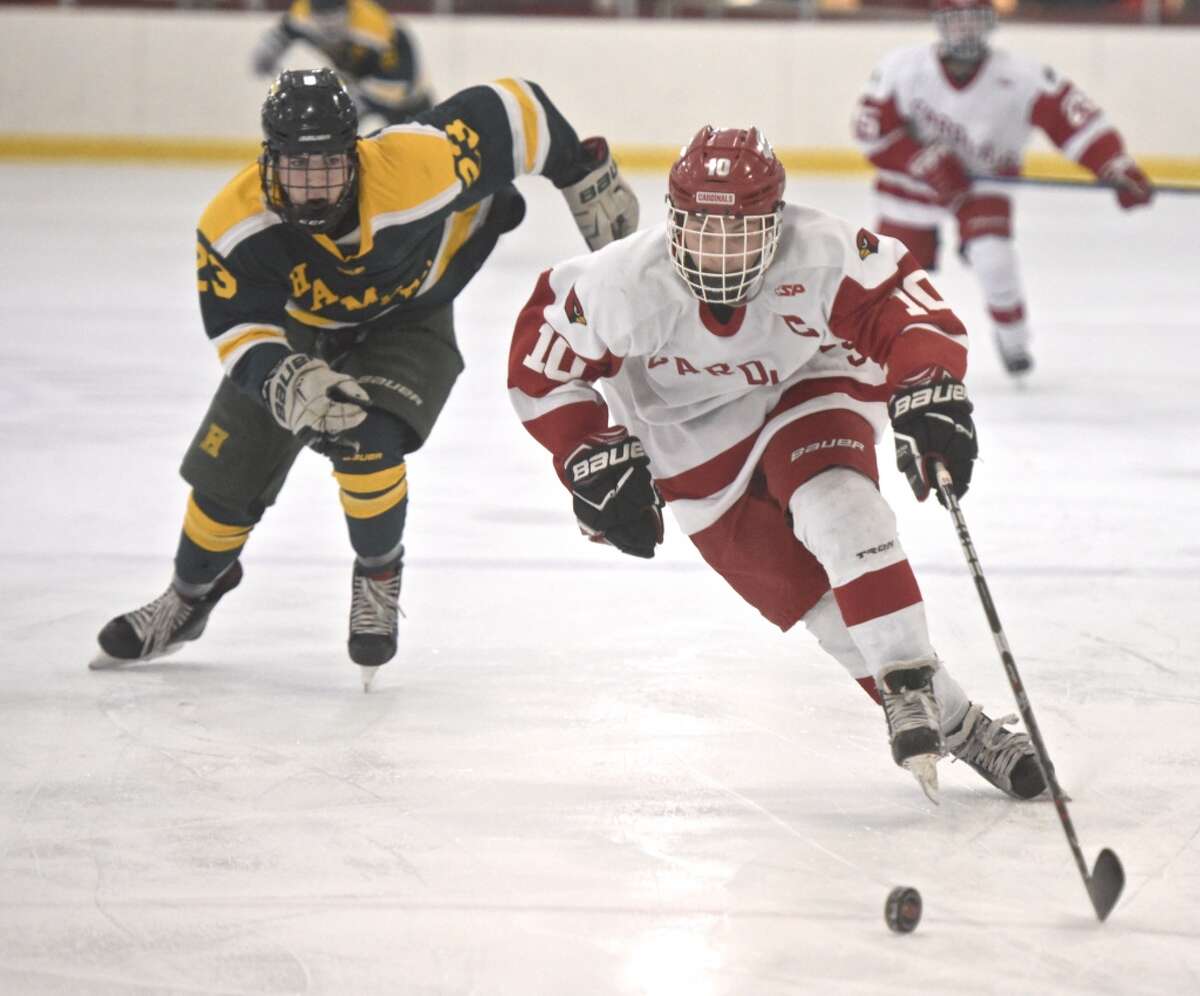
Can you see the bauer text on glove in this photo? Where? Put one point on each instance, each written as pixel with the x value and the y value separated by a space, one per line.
pixel 305 394
pixel 615 499
pixel 604 206
pixel 933 421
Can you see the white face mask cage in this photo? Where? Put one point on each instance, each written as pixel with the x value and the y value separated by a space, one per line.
pixel 722 258
pixel 964 32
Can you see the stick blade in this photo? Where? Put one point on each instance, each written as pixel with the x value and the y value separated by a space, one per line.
pixel 1105 884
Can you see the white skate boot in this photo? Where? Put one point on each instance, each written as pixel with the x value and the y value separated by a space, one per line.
pixel 1012 342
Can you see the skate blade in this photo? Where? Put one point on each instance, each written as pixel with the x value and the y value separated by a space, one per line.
pixel 368 676
pixel 102 661
pixel 924 769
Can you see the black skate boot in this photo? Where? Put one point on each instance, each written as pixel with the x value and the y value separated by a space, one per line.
pixel 374 612
pixel 914 720
pixel 1012 342
pixel 162 626
pixel 1004 758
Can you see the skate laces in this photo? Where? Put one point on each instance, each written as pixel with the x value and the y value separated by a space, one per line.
pixel 910 709
pixel 375 605
pixel 156 622
pixel 984 742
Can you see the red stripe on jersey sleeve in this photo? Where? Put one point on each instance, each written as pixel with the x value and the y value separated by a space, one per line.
pixel 897 154
pixel 878 593
pixel 884 322
pixel 561 430
pixel 1103 149
pixel 1062 113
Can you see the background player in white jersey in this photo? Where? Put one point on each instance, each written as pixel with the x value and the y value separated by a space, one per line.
pixel 747 351
pixel 939 120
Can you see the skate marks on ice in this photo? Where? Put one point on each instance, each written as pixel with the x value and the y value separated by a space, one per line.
pixel 596 777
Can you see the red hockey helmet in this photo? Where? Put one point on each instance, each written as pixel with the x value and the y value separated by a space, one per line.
pixel 725 210
pixel 964 26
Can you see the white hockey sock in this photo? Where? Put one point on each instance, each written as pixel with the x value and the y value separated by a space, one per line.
pixel 994 260
pixel 843 520
pixel 824 621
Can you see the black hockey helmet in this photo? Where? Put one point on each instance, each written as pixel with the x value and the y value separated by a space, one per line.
pixel 308 121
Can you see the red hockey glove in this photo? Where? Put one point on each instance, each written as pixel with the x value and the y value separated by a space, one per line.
pixel 616 501
pixel 1133 186
pixel 940 168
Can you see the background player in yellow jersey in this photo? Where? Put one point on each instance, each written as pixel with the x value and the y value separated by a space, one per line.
pixel 374 54
pixel 326 273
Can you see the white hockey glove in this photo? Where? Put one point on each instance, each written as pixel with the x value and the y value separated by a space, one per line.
pixel 604 206
pixel 306 395
pixel 268 51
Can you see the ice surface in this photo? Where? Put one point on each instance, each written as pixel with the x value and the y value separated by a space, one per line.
pixel 584 773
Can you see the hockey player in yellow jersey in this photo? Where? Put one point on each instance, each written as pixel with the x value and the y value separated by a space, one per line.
pixel 326 273
pixel 375 55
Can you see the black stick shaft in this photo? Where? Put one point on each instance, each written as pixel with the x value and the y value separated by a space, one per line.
pixel 945 485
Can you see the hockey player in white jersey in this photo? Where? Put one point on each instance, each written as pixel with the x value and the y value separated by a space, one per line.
pixel 939 120
pixel 747 352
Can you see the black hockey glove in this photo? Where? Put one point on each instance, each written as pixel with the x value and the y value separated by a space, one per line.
pixel 934 421
pixel 616 501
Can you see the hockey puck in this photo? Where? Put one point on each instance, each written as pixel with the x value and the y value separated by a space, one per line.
pixel 902 911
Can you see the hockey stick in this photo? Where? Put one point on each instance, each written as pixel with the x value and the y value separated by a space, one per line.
pixel 1038 181
pixel 1107 878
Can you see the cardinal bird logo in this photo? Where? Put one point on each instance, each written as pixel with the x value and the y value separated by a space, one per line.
pixel 867 243
pixel 574 309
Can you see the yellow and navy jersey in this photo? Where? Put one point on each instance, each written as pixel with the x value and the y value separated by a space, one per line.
pixel 434 195
pixel 372 52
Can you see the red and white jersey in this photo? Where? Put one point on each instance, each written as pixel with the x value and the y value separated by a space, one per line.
pixel 844 316
pixel 986 120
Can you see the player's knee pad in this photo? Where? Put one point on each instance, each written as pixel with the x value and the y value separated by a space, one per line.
pixel 373 478
pixel 841 517
pixel 994 260
pixel 921 242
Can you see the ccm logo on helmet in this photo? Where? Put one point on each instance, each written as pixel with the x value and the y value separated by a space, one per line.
pixel 607 458
pixel 929 396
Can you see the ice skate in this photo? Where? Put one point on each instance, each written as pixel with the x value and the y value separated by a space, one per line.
pixel 1012 342
pixel 374 623
pixel 914 720
pixel 1004 757
pixel 162 626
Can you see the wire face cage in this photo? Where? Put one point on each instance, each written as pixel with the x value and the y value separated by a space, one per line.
pixel 722 258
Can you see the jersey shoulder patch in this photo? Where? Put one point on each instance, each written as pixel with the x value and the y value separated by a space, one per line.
pixel 410 170
pixel 236 213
